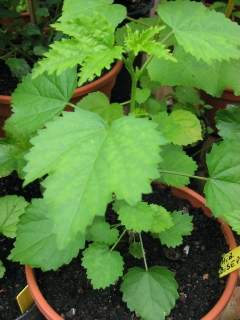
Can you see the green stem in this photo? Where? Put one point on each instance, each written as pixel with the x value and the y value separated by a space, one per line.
pixel 133 92
pixel 32 11
pixel 229 9
pixel 125 102
pixel 119 239
pixel 183 175
pixel 72 105
pixel 146 63
pixel 143 252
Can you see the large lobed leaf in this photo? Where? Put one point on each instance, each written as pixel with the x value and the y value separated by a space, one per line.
pixel 87 162
pixel 36 101
pixel 176 166
pixel 103 265
pixel 11 209
pixel 204 33
pixel 190 72
pixel 151 294
pixel 223 186
pixel 36 243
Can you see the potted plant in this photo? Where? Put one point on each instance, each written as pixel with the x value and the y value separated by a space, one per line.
pixel 26 42
pixel 99 155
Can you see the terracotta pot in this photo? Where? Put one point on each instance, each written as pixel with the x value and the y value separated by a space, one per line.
pixel 196 201
pixel 218 103
pixel 104 84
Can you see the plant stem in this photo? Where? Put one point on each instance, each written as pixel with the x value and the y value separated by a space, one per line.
pixel 72 105
pixel 32 11
pixel 119 239
pixel 133 91
pixel 146 63
pixel 183 175
pixel 143 252
pixel 125 102
pixel 229 9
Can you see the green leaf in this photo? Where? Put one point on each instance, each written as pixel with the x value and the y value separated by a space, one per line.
pixel 2 270
pixel 223 186
pixel 137 41
pixel 143 217
pixel 151 294
pixel 154 106
pixel 100 231
pixel 190 72
pixel 11 208
pixel 228 122
pixel 178 164
pixel 36 242
pixel 91 46
pixel 182 226
pixel 104 267
pixel 142 95
pixel 233 219
pixel 96 160
pixel 98 102
pixel 19 67
pixel 135 250
pixel 36 101
pixel 187 95
pixel 180 127
pixel 8 161
pixel 113 13
pixel 204 33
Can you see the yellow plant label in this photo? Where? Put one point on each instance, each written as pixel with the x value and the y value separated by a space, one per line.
pixel 24 299
pixel 230 262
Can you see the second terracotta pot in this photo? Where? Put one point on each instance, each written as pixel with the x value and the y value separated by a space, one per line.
pixel 196 201
pixel 104 84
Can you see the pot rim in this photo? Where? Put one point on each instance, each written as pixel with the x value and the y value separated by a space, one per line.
pixel 92 86
pixel 196 201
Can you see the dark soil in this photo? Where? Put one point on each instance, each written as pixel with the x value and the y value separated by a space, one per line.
pixel 7 82
pixel 136 6
pixel 14 279
pixel 70 293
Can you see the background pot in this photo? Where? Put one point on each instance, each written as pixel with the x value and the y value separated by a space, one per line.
pixel 104 84
pixel 196 201
pixel 218 103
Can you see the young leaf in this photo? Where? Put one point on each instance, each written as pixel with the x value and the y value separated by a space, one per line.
pixel 103 266
pixel 151 294
pixel 223 186
pixel 36 101
pixel 113 13
pixel 188 71
pixel 98 102
pixel 204 33
pixel 144 217
pixel 181 127
pixel 178 163
pixel 228 123
pixel 36 242
pixel 2 270
pixel 182 226
pixel 100 231
pixel 142 95
pixel 96 160
pixel 11 208
pixel 135 250
pixel 91 46
pixel 137 41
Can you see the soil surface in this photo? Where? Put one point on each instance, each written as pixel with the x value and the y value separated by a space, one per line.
pixel 14 280
pixel 134 6
pixel 70 293
pixel 7 82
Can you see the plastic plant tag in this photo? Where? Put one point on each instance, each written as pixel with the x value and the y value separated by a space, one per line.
pixel 24 299
pixel 230 262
